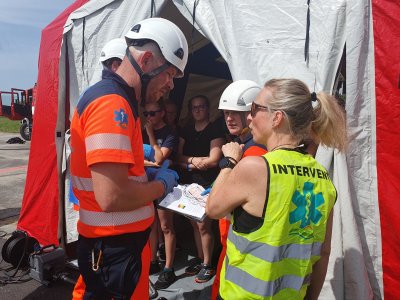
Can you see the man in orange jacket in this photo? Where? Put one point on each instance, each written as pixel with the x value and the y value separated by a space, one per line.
pixel 107 162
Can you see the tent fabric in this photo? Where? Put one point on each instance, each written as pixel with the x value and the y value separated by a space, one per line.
pixel 385 15
pixel 354 266
pixel 258 41
pixel 41 188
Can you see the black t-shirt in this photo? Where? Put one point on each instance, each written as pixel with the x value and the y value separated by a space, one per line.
pixel 197 144
pixel 165 137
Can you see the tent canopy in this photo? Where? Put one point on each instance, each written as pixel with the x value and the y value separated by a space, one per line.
pixel 258 41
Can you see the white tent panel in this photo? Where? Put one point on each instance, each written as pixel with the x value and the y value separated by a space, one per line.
pixel 261 40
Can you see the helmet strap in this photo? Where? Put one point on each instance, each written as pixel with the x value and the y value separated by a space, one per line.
pixel 145 77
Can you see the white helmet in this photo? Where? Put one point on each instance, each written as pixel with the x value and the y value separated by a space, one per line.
pixel 168 37
pixel 239 95
pixel 113 49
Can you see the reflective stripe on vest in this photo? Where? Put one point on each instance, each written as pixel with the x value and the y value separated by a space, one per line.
pixel 263 288
pixel 86 184
pixel 99 218
pixel 274 253
pixel 107 141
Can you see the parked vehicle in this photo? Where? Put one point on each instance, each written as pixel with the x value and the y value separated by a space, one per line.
pixel 18 104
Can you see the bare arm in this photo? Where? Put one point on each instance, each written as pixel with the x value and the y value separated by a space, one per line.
pixel 321 266
pixel 238 187
pixel 160 153
pixel 213 157
pixel 180 157
pixel 115 192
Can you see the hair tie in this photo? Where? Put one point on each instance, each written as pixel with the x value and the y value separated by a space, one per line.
pixel 314 97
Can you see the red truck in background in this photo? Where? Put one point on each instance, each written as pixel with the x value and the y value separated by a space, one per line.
pixel 19 104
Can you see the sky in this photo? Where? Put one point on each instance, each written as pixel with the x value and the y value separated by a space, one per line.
pixel 21 24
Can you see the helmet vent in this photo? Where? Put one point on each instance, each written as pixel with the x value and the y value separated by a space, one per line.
pixel 136 28
pixel 179 53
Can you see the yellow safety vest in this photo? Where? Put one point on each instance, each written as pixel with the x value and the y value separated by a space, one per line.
pixel 275 261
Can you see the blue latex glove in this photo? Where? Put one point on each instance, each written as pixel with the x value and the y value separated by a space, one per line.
pixel 206 191
pixel 148 152
pixel 168 177
pixel 151 173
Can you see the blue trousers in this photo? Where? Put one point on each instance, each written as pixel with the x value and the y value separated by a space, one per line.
pixel 119 264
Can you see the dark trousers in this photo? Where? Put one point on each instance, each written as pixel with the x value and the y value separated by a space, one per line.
pixel 120 264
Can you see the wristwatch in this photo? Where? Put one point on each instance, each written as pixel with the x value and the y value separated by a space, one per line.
pixel 226 163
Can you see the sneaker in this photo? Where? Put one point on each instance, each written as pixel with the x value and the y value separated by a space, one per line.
pixel 161 253
pixel 154 267
pixel 194 267
pixel 165 279
pixel 205 274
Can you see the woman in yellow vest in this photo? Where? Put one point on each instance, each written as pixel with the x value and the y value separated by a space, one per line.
pixel 279 241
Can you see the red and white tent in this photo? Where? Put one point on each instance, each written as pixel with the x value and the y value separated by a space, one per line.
pixel 258 40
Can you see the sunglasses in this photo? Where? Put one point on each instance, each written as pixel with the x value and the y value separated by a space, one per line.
pixel 256 107
pixel 150 113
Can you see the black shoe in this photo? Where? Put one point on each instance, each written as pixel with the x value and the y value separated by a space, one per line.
pixel 154 267
pixel 152 291
pixel 195 266
pixel 161 253
pixel 205 274
pixel 165 279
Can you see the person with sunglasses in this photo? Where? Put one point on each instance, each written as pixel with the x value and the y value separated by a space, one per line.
pixel 282 202
pixel 235 102
pixel 160 136
pixel 107 165
pixel 164 141
pixel 198 155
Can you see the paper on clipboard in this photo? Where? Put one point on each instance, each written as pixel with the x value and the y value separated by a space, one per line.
pixel 186 200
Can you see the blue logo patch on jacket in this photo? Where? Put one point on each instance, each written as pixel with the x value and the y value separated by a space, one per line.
pixel 121 118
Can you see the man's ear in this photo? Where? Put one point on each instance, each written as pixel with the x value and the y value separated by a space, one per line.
pixel 115 65
pixel 145 59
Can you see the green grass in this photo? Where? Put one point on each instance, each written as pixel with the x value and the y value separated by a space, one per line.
pixel 7 125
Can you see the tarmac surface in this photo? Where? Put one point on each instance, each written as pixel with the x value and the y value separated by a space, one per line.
pixel 13 169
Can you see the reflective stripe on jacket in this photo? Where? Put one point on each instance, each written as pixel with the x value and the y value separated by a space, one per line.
pixel 105 128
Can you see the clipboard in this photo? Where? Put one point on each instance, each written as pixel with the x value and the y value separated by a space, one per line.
pixel 187 201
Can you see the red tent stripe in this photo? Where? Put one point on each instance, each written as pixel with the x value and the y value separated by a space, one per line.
pixel 39 212
pixel 387 80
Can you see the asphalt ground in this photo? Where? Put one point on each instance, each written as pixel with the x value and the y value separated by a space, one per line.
pixel 13 167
